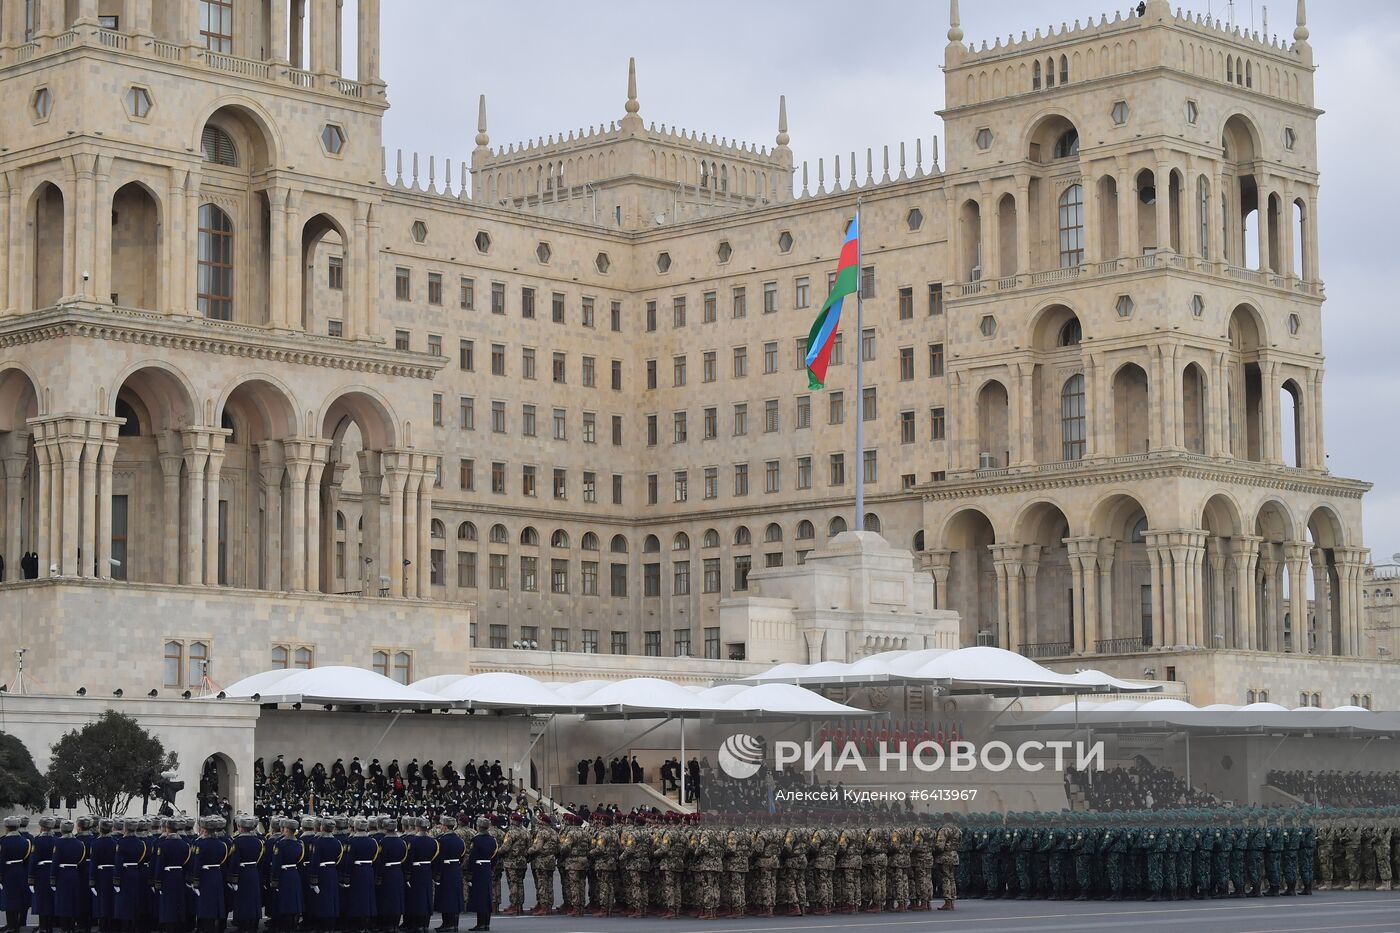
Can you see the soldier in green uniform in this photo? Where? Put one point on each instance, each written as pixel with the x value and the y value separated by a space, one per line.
pixel 1081 842
pixel 633 864
pixel 970 880
pixel 947 844
pixel 901 843
pixel 921 866
pixel 1307 853
pixel 792 872
pixel 876 860
pixel 512 856
pixel 543 856
pixel 1326 851
pixel 768 855
pixel 1380 844
pixel 1273 857
pixel 1154 846
pixel 738 848
pixel 668 851
pixel 1254 856
pixel 1021 844
pixel 1289 866
pixel 1114 843
pixel 1239 857
pixel 574 845
pixel 709 862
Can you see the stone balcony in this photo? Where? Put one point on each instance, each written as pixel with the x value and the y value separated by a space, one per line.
pixel 996 288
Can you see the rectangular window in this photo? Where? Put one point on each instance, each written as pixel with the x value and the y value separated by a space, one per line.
pixel 937 424
pixel 617 430
pixel 617 581
pixel 335 273
pixel 435 345
pixel 590 427
pixel 772 476
pixel 906 364
pixel 499 637
pixel 617 489
pixel 741 479
pixel 651 489
pixel 652 647
pixel 712 640
pixel 867 344
pixel 742 565
pixel 708 368
pixel 678 371
pixel 335 328
pixel 708 305
pixel 838 350
pixel 590 372
pixel 741 420
pixel 678 420
pixel 741 362
pixel 527 481
pixel 804 412
pixel 466 294
pixel 770 297
pixel 801 347
pixel 560 368
pixel 527 302
pixel 651 431
pixel 741 302
pixel 437 409
pixel 466 356
pixel 651 374
pixel 466 570
pixel 773 560
pixel 617 375
pixel 870 465
pixel 403 284
pixel 712 578
pixel 590 641
pixel 615 317
pixel 590 577
pixel 590 486
pixel 558 576
pixel 836 408
pixel 215 25
pixel 804 472
pixel 586 315
pixel 437 567
pixel 556 307
pixel 401 340
pixel 711 482
pixel 561 484
pixel 496 572
pixel 868 407
pixel 906 302
pixel 498 477
pixel 838 469
pixel 498 359
pixel 935 360
pixel 682 642
pixel 770 356
pixel 527 420
pixel 867 282
pixel 935 298
pixel 558 639
pixel 651 580
pixel 802 292
pixel 466 474
pixel 651 316
pixel 711 426
pixel 498 297
pixel 678 311
pixel 906 427
pixel 529 574
pixel 772 419
pixel 527 363
pixel 680 578
pixel 120 506
pixel 619 642
pixel 435 288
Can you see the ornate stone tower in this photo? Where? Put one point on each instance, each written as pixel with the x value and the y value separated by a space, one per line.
pixel 1138 391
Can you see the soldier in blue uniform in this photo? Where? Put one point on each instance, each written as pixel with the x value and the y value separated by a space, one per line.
pixel 389 876
pixel 15 850
pixel 171 854
pixel 71 900
pixel 284 886
pixel 418 894
pixel 41 873
pixel 480 858
pixel 357 874
pixel 448 871
pixel 244 875
pixel 102 875
pixel 129 877
pixel 208 856
pixel 325 855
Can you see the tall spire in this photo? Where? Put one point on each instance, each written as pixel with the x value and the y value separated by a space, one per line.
pixel 1301 33
pixel 783 138
pixel 482 140
pixel 632 105
pixel 955 33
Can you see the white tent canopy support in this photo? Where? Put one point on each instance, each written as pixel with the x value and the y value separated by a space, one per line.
pixel 338 686
pixel 1175 716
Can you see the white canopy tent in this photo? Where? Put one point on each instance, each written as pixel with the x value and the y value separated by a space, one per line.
pixel 347 686
pixel 981 670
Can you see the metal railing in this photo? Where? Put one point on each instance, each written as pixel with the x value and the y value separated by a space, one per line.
pixel 1047 649
pixel 1120 645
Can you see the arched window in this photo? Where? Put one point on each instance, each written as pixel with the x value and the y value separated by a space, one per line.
pixel 280 658
pixel 1050 72
pixel 132 427
pixel 681 542
pixel 590 541
pixel 711 538
pixel 872 522
pixel 773 533
pixel 1139 535
pixel 805 530
pixel 466 532
pixel 742 538
pixel 1035 76
pixel 835 527
pixel 1203 196
pixel 437 529
pixel 918 541
pixel 339 521
pixel 529 536
pixel 217 146
pixel 560 538
pixel 1064 69
pixel 198 664
pixel 651 544
pixel 1072 421
pixel 619 544
pixel 380 662
pixel 1229 74
pixel 499 535
pixel 1067 146
pixel 1249 74
pixel 1071 334
pixel 1072 227
pixel 215 263
pixel 303 659
pixel 403 667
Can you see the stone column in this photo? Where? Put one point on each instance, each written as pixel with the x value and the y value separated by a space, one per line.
pixel 176 247
pixel 362 277
pixel 278 10
pixel 1003 600
pixel 294 266
pixel 298 459
pixel 1127 213
pixel 1268 572
pixel 188 14
pixel 138 17
pixel 1350 565
pixel 318 450
pixel 410 527
pixel 101 235
pixel 191 253
pixel 1093 225
pixel 369 41
pixel 1103 625
pixel 70 444
pixel 43 512
pixel 371 264
pixel 212 482
pixel 270 470
pixel 1215 557
pixel 398 480
pixel 1093 441
pixel 1296 554
pixel 107 457
pixel 425 527
pixel 16 462
pixel 372 562
pixel 87 496
pixel 172 458
pixel 1016 621
pixel 987 245
pixel 279 278
pixel 1269 426
pixel 1311 267
pixel 1154 563
pixel 1031 599
pixel 1019 415
pixel 1191 222
pixel 1089 606
pixel 1285 219
pixel 1263 226
pixel 1174 425
pixel 1162 179
pixel 322 37
pixel 335 476
pixel 1217 409
pixel 15 299
pixel 1319 443
pixel 1322 601
pixel 1023 225
pixel 196 452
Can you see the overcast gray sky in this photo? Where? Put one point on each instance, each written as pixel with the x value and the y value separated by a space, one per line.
pixel 869 75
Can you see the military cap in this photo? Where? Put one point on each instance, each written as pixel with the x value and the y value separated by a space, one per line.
pixel 66 826
pixel 84 823
pixel 247 822
pixel 12 822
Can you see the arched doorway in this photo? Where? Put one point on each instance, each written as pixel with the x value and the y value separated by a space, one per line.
pixel 137 245
pixel 218 778
pixel 262 417
pixel 993 426
pixel 1131 411
pixel 1246 391
pixel 1276 578
pixel 362 473
pixel 323 296
pixel 1331 632
pixel 1131 604
pixel 1227 564
pixel 19 401
pixel 972 580
pixel 1050 589
pixel 48 247
pixel 1193 408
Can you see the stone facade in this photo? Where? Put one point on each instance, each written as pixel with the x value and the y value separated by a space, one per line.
pixel 236 358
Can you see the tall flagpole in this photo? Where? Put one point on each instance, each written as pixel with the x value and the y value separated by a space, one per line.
pixel 858 468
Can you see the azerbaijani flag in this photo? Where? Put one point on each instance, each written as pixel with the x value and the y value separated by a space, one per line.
pixel 822 337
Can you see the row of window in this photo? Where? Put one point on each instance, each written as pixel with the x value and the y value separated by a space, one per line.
pixel 562 639
pixel 709 360
pixel 466 296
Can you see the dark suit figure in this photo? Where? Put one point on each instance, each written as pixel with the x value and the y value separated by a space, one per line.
pixel 480 858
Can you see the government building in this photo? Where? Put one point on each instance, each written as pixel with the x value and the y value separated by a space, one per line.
pixel 270 397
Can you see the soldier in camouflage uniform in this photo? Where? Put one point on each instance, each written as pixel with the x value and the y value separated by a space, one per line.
pixel 543 856
pixel 1080 844
pixel 1239 857
pixel 1307 854
pixel 991 843
pixel 512 856
pixel 1291 840
pixel 1273 858
pixel 874 862
pixel 603 860
pixel 1380 844
pixel 574 845
pixel 1326 852
pixel 668 851
pixel 709 863
pixel 634 861
pixel 738 849
pixel 792 872
pixel 850 856
pixel 946 844
pixel 821 860
pixel 921 867
pixel 901 845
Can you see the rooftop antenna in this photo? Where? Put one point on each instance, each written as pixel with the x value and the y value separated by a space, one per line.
pixel 1230 14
